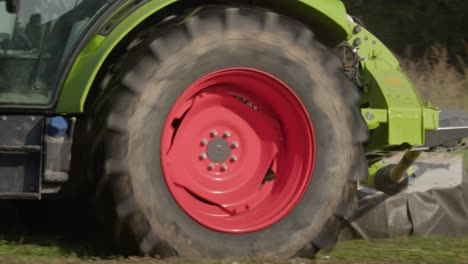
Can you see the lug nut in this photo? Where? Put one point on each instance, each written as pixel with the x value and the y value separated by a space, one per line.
pixel 370 116
pixel 227 134
pixel 211 167
pixel 234 158
pixel 224 168
pixel 213 133
pixel 357 29
pixel 357 42
pixel 235 144
pixel 204 142
pixel 202 156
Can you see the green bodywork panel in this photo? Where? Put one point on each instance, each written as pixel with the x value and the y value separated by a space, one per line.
pixel 92 57
pixel 398 115
pixel 88 63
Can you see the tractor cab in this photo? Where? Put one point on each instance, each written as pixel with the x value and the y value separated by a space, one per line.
pixel 36 39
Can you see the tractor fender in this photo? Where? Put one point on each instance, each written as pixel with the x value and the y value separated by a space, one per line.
pixel 327 18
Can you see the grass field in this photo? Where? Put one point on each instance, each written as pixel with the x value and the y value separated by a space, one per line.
pixel 402 250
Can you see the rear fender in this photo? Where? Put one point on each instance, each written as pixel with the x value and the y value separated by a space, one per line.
pixel 328 18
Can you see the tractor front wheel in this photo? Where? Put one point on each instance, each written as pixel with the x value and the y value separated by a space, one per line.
pixel 233 133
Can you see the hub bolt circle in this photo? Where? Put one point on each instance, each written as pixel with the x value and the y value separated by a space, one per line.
pixel 204 142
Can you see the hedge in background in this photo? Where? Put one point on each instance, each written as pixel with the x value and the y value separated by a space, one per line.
pixel 416 24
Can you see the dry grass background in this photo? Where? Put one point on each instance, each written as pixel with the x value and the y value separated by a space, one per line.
pixel 444 85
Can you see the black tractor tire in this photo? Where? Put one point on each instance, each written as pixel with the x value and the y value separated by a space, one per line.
pixel 139 90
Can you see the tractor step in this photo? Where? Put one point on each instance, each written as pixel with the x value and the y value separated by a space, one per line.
pixel 34 155
pixel 20 156
pixel 453 126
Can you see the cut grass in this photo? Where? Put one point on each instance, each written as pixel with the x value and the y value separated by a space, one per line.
pixel 401 250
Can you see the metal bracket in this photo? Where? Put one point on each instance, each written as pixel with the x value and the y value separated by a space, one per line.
pixel 392 107
pixel 452 128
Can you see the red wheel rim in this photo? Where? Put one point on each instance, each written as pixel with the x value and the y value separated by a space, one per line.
pixel 238 150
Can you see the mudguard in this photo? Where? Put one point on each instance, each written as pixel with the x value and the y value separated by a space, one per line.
pixel 393 108
pixel 330 15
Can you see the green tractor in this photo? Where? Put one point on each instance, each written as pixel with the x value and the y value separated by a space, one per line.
pixel 208 128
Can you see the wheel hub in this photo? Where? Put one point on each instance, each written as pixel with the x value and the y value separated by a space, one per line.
pixel 218 150
pixel 240 176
